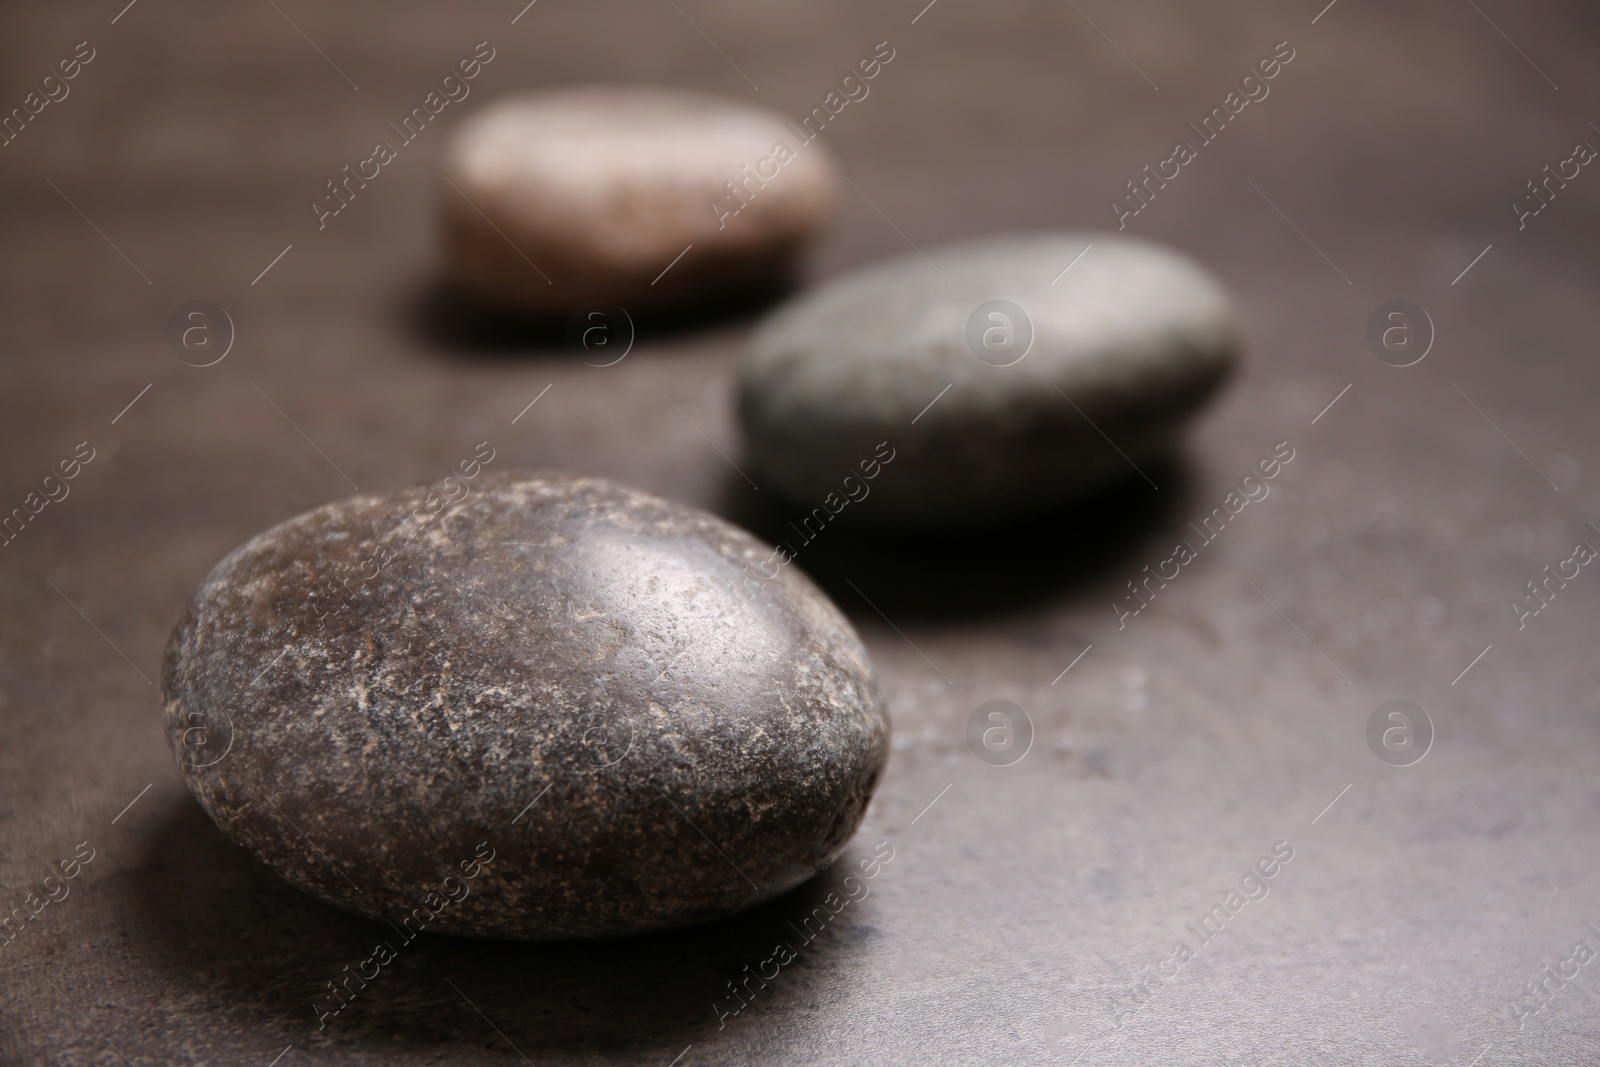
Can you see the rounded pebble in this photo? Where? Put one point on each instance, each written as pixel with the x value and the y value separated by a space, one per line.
pixel 524 707
pixel 593 193
pixel 1007 376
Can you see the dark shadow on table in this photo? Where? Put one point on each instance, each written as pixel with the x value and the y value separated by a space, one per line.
pixel 463 327
pixel 972 574
pixel 211 923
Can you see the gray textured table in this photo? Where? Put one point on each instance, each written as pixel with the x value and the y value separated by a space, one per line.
pixel 1032 913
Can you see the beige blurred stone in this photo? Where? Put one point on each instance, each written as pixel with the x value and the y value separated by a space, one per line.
pixel 589 193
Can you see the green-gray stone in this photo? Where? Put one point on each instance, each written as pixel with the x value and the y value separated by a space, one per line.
pixel 1128 341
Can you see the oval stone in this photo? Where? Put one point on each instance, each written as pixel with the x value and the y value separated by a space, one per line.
pixel 524 707
pixel 592 193
pixel 1009 376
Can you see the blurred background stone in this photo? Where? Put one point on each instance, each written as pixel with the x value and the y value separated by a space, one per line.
pixel 1003 377
pixel 645 197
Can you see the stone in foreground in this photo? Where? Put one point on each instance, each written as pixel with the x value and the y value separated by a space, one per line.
pixel 523 707
pixel 1009 375
pixel 593 193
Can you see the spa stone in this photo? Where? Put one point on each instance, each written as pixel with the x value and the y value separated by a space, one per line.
pixel 523 707
pixel 642 197
pixel 1010 376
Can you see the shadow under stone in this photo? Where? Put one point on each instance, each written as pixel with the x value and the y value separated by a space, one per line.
pixel 971 573
pixel 463 327
pixel 212 924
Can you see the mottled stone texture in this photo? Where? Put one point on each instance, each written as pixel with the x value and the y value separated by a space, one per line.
pixel 591 192
pixel 369 697
pixel 1127 344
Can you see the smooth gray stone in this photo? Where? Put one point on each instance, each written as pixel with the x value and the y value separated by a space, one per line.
pixel 1127 343
pixel 552 708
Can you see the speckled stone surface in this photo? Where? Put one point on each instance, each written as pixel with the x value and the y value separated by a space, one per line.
pixel 592 193
pixel 523 706
pixel 1126 342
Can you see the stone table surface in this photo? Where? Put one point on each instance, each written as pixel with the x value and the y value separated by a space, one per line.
pixel 1031 912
